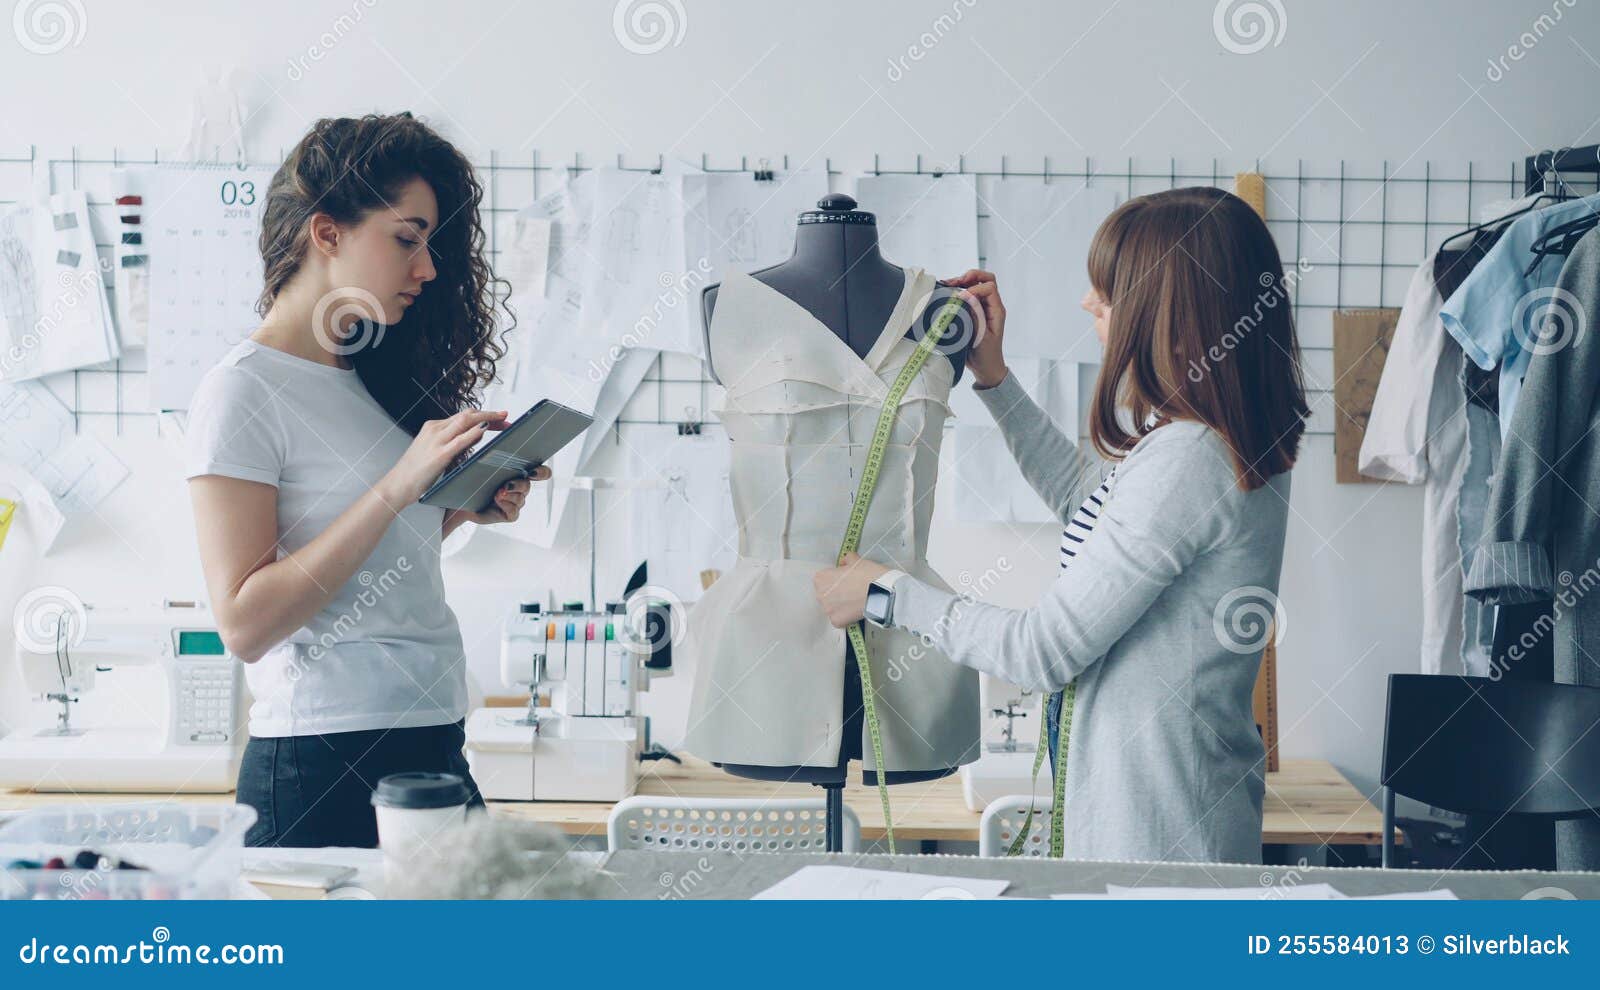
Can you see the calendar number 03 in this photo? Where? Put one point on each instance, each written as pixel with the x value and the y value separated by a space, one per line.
pixel 238 193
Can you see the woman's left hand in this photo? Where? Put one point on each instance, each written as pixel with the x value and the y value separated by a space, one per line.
pixel 842 590
pixel 508 501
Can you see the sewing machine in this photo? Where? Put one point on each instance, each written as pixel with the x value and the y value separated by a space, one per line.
pixel 580 738
pixel 195 745
pixel 1006 764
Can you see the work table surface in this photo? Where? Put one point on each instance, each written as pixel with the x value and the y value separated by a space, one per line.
pixel 1308 802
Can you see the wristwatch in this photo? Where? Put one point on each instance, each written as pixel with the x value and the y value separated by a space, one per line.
pixel 880 599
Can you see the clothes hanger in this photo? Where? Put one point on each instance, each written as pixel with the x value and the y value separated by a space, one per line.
pixel 1543 200
pixel 1559 240
pixel 1560 194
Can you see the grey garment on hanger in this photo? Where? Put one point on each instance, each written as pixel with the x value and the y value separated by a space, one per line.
pixel 1542 540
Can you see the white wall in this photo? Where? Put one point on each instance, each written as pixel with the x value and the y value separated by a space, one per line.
pixel 1364 81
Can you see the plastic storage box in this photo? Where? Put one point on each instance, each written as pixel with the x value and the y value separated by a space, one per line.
pixel 188 851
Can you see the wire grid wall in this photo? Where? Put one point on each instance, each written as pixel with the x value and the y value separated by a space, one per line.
pixel 1356 233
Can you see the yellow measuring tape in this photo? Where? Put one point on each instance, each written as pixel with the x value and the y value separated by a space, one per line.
pixel 858 519
pixel 1058 788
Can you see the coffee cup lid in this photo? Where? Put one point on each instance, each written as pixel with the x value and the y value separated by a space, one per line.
pixel 420 790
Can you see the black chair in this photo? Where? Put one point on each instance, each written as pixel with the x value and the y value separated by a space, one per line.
pixel 1478 746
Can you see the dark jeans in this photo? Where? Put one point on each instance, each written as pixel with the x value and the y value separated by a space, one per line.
pixel 317 790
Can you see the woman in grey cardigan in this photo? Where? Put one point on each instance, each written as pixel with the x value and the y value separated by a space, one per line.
pixel 1170 568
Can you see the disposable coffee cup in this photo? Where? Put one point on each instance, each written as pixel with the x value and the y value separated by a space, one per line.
pixel 413 810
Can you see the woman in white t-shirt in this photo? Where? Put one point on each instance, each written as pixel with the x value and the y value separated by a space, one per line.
pixel 309 445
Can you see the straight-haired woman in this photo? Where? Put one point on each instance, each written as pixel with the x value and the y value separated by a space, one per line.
pixel 1170 566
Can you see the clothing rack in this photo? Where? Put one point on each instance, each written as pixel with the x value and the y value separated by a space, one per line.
pixel 1561 161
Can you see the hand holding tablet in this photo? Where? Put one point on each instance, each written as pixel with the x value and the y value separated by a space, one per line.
pixel 522 446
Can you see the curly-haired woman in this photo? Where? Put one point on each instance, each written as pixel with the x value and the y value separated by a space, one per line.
pixel 309 445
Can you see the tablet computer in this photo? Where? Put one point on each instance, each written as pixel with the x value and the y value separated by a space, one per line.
pixel 513 453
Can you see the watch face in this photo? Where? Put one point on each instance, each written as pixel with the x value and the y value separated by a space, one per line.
pixel 878 600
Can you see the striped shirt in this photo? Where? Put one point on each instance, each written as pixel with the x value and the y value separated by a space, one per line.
pixel 1083 521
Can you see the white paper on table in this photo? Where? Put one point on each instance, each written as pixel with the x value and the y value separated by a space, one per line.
pixel 54 314
pixel 200 225
pixel 849 883
pixel 681 515
pixel 1276 892
pixel 988 485
pixel 635 280
pixel 1038 248
pixel 925 221
pixel 36 434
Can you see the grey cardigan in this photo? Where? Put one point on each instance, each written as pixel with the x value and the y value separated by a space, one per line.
pixel 1542 539
pixel 1160 620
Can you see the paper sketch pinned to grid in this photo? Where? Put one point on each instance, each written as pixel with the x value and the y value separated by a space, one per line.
pixel 18 277
pixel 1039 249
pixel 54 314
pixel 682 514
pixel 734 221
pixel 36 434
pixel 985 482
pixel 931 219
pixel 633 267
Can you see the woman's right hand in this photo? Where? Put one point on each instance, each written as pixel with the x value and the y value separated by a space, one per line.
pixel 437 444
pixel 984 360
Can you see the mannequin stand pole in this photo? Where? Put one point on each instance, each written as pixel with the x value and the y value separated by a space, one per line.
pixel 835 816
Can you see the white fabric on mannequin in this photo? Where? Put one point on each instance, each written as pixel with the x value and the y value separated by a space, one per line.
pixel 800 411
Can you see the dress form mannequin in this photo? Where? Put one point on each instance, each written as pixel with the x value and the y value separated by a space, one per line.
pixel 838 275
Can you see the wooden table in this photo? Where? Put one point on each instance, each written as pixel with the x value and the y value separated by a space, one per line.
pixel 1308 802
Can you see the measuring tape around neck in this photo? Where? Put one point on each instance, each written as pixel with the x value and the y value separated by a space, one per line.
pixel 858 519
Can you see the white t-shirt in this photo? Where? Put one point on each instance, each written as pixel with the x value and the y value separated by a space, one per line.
pixel 386 651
